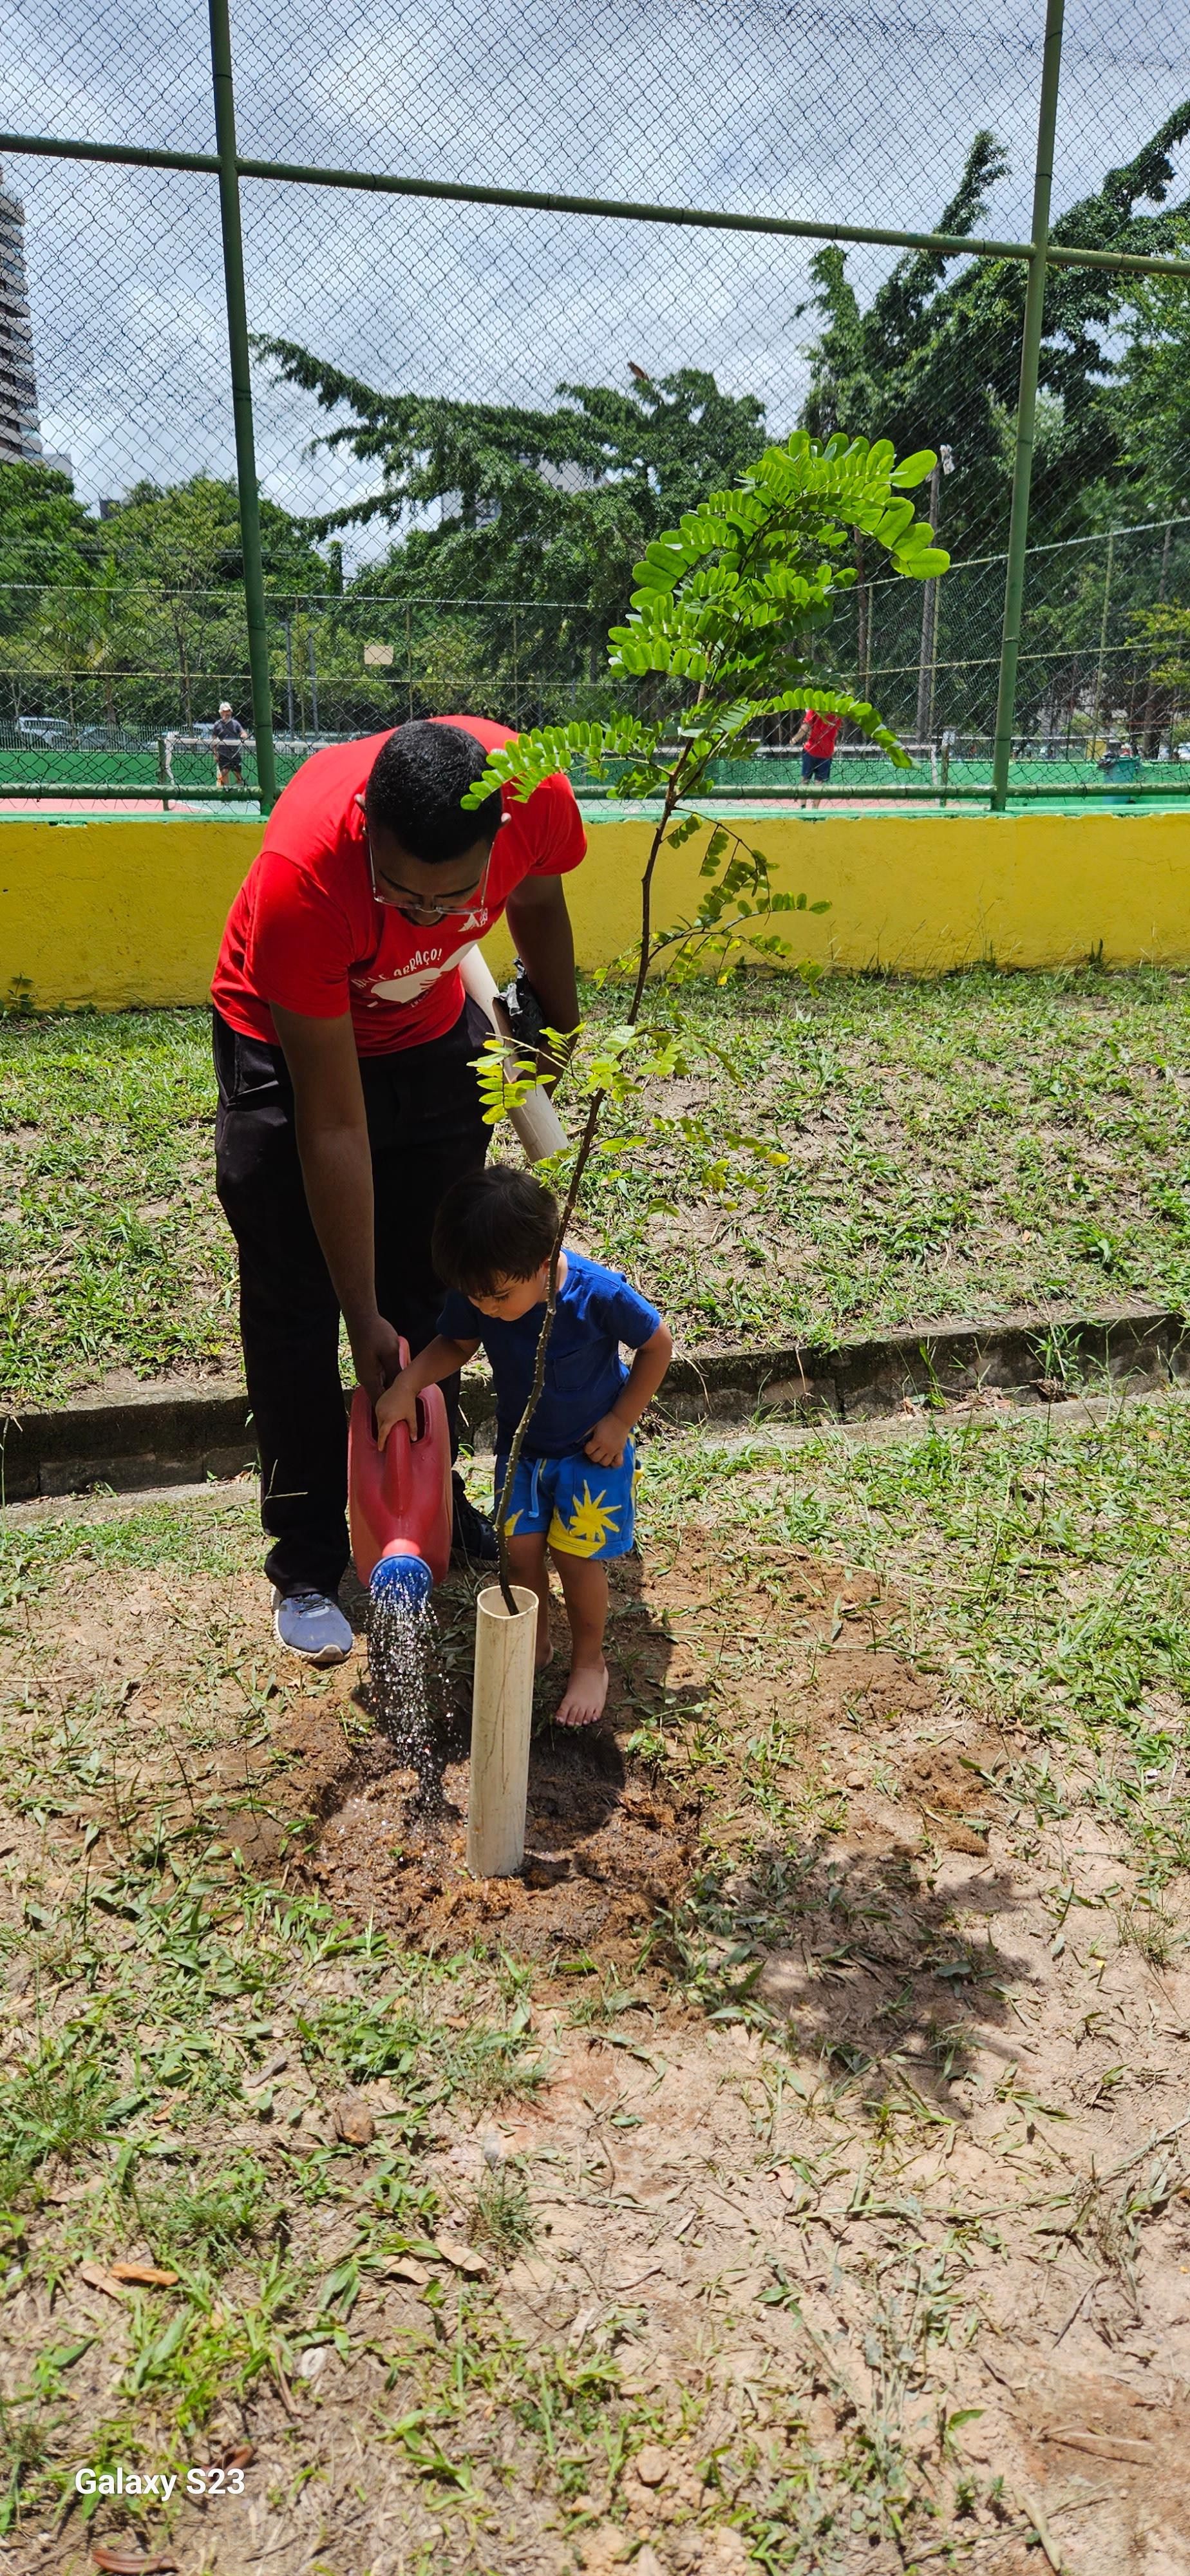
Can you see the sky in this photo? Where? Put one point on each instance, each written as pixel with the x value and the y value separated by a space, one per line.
pixel 848 113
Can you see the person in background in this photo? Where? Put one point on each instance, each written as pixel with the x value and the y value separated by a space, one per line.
pixel 228 736
pixel 815 739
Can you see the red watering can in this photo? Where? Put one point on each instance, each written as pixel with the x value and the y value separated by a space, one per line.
pixel 399 1497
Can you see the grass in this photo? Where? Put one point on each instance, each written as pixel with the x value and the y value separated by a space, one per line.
pixel 1047 1568
pixel 975 1146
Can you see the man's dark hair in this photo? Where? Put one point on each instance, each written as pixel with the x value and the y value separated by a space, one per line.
pixel 498 1224
pixel 416 786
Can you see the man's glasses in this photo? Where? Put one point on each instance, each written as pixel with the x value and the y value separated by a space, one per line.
pixel 399 898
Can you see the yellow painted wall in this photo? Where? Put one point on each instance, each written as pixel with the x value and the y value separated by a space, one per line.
pixel 110 913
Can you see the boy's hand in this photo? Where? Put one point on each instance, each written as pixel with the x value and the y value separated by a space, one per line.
pixel 607 1442
pixel 397 1404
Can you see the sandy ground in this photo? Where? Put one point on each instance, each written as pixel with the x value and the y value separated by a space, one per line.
pixel 858 2231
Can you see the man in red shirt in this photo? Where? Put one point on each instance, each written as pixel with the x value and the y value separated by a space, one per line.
pixel 347 1099
pixel 816 738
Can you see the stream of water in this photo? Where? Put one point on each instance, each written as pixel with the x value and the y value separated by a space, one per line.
pixel 402 1643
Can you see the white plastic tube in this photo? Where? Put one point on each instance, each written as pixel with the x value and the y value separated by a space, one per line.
pixel 501 1711
pixel 536 1120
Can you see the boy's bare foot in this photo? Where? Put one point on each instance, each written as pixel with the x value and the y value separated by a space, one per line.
pixel 585 1693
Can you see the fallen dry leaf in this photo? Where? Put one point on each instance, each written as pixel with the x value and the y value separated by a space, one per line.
pixel 97 2279
pixel 460 2258
pixel 1102 2446
pixel 148 2275
pixel 128 2562
pixel 405 2267
pixel 352 2121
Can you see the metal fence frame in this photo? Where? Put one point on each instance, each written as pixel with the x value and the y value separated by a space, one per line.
pixel 229 166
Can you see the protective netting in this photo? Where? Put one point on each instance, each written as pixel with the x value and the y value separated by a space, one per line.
pixel 515 399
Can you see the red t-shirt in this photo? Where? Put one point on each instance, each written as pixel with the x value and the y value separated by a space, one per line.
pixel 306 932
pixel 821 735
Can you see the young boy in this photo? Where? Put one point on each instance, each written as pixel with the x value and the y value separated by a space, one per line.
pixel 573 1490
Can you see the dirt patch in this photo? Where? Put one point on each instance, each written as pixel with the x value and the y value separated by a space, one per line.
pixel 860 2215
pixel 738 1676
pixel 603 1854
pixel 622 1823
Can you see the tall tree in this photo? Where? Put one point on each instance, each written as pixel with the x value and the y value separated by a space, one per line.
pixel 554 504
pixel 180 564
pixel 1153 376
pixel 937 352
pixel 43 529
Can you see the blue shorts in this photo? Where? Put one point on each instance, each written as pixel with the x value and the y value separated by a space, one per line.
pixel 815 766
pixel 579 1508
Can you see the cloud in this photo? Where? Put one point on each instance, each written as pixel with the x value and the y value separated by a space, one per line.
pixel 856 115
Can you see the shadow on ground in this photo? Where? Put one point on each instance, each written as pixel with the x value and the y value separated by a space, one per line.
pixel 784 1809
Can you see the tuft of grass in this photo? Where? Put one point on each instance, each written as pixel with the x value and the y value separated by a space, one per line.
pixel 502 2217
pixel 58 2103
pixel 396 2035
pixel 213 2222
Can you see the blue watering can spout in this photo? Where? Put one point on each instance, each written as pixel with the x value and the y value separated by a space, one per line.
pixel 401 1581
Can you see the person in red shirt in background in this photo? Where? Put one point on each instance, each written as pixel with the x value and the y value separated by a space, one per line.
pixel 348 1102
pixel 816 738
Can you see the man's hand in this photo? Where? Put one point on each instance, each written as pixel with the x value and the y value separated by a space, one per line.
pixel 376 1351
pixel 606 1444
pixel 398 1404
pixel 544 941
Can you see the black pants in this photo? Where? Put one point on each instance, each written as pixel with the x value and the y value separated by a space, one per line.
pixel 426 1131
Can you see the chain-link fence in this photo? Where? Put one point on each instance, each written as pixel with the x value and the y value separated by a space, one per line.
pixel 368 408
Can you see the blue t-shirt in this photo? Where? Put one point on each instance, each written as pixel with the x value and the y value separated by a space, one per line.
pixel 596 1311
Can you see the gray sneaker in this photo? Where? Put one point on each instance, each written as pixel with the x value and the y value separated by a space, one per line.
pixel 311 1625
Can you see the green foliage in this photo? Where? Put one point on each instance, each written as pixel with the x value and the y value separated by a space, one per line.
pixel 548 504
pixel 731 605
pixel 42 529
pixel 1153 380
pixel 58 2101
pixel 1167 631
pixel 137 617
pixel 938 347
pixel 212 2223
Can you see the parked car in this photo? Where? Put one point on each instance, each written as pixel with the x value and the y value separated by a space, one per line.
pixel 43 728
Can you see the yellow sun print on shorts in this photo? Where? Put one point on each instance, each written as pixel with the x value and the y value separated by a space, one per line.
pixel 589 1528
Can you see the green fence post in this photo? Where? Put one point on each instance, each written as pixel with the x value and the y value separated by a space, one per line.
pixel 241 396
pixel 1026 410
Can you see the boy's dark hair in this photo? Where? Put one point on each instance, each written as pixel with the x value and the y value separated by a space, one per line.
pixel 416 785
pixel 498 1224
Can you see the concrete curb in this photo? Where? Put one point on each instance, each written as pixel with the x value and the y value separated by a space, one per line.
pixel 153 1438
pixel 1032 1359
pixel 146 1438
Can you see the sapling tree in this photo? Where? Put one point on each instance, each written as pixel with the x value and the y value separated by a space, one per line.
pixel 727 626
